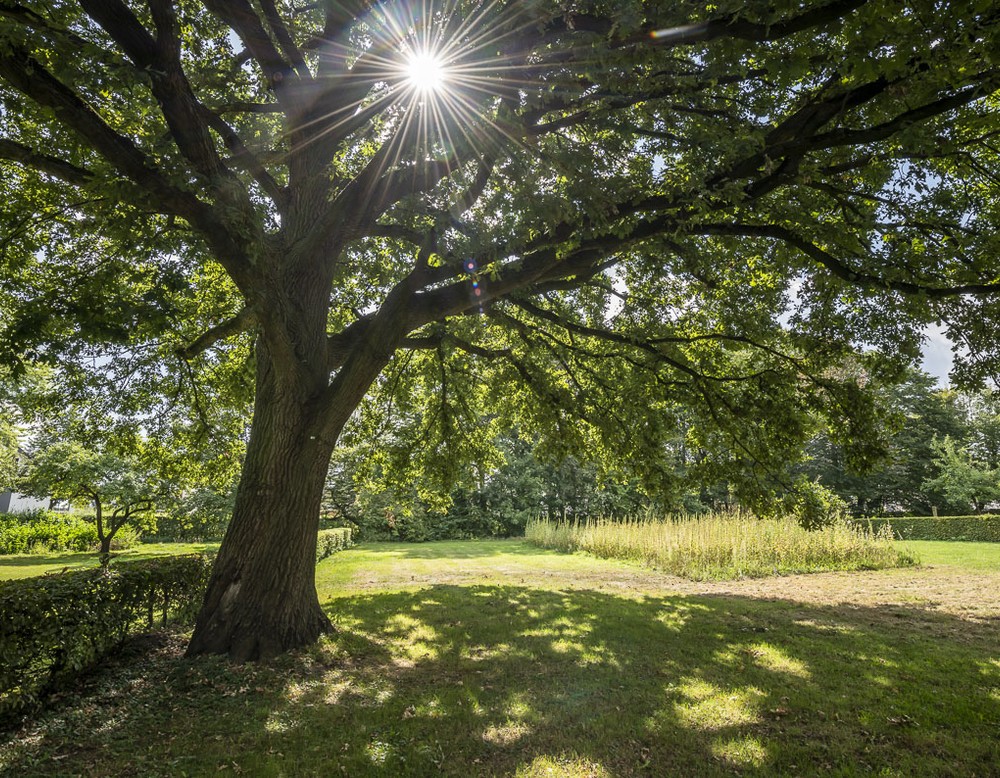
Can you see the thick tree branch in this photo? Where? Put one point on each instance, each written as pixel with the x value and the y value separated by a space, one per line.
pixel 245 157
pixel 734 27
pixel 241 16
pixel 160 58
pixel 44 163
pixel 241 322
pixel 838 267
pixel 988 82
pixel 284 38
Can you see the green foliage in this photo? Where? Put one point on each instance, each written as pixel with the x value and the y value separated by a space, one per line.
pixel 495 501
pixel 962 483
pixel 985 529
pixel 333 540
pixel 38 531
pixel 8 454
pixel 814 506
pixel 914 414
pixel 721 546
pixel 194 515
pixel 55 626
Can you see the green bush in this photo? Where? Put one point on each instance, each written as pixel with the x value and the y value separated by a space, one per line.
pixel 54 626
pixel 333 540
pixel 975 528
pixel 42 531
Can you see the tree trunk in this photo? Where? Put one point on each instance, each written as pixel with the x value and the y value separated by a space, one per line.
pixel 104 550
pixel 104 554
pixel 261 598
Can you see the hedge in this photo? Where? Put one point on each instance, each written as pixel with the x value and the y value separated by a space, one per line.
pixel 333 540
pixel 54 626
pixel 974 528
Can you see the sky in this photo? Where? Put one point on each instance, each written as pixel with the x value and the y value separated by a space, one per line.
pixel 937 354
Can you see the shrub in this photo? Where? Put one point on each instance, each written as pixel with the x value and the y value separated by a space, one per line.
pixel 333 540
pixel 54 626
pixel 973 528
pixel 41 531
pixel 719 546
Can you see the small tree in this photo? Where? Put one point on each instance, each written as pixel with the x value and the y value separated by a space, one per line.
pixel 117 487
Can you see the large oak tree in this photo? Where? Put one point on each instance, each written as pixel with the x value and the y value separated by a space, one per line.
pixel 610 220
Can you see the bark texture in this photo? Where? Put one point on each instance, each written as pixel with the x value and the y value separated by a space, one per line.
pixel 261 599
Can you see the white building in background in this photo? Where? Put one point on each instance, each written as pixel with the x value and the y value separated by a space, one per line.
pixel 13 502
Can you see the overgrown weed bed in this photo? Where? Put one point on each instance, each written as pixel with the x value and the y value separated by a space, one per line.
pixel 724 545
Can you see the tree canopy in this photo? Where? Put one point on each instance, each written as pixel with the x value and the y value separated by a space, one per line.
pixel 605 221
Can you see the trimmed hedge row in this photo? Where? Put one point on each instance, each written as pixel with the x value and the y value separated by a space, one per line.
pixel 333 540
pixel 54 626
pixel 974 528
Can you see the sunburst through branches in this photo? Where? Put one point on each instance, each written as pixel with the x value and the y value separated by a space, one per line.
pixel 427 78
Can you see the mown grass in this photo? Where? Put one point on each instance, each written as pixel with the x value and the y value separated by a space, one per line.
pixel 724 546
pixel 28 565
pixel 512 674
pixel 970 556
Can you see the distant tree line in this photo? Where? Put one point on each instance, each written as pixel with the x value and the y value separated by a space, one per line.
pixel 940 453
pixel 943 454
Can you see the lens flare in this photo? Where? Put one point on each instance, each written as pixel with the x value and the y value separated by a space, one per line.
pixel 426 72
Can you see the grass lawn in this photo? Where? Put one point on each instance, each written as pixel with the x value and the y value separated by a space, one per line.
pixel 28 565
pixel 496 658
pixel 970 556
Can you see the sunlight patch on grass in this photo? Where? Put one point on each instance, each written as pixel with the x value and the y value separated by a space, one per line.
pixel 990 670
pixel 709 707
pixel 823 626
pixel 484 653
pixel 335 691
pixel 506 734
pixel 433 708
pixel 519 707
pixel 741 752
pixel 564 646
pixel 297 690
pixel 378 752
pixel 280 722
pixel 563 766
pixel 772 658
pixel 417 639
pixel 372 692
pixel 955 553
pixel 678 616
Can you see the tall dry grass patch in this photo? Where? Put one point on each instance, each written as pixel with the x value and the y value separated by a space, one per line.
pixel 724 545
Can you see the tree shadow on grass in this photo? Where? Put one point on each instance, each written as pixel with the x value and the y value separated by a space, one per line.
pixel 501 680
